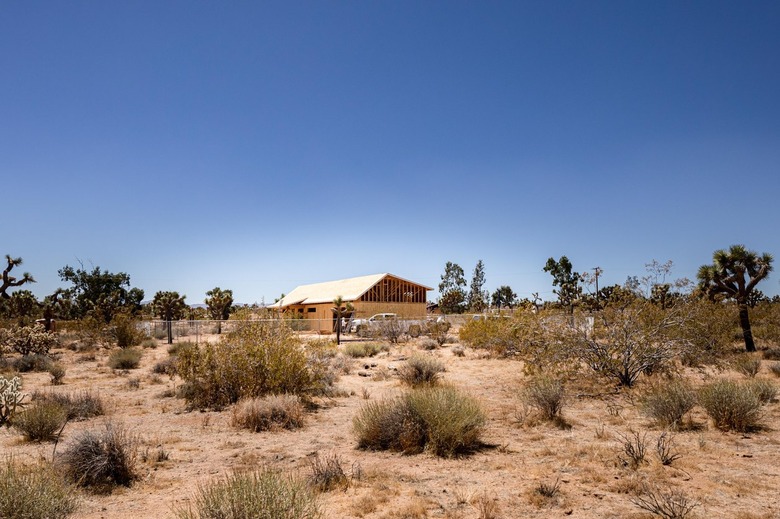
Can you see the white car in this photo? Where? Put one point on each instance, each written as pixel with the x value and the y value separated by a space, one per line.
pixel 362 326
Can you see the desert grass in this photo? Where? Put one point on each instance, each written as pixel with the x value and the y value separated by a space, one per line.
pixel 34 492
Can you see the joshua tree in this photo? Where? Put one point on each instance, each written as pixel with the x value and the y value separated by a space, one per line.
pixel 733 275
pixel 169 306
pixel 9 280
pixel 338 303
pixel 219 302
pixel 568 282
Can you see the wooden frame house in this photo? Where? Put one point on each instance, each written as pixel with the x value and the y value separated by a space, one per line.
pixel 368 295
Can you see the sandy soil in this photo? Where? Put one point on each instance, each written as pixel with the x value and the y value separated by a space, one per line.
pixel 730 475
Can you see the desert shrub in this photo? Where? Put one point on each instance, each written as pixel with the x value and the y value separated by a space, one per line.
pixel 442 420
pixel 459 351
pixel 127 358
pixel 149 344
pixel 772 354
pixel 428 344
pixel 327 473
pixel 420 369
pixel 33 492
pixel 732 406
pixel 256 359
pixel 28 340
pixel 78 406
pixel 391 330
pixel 124 331
pixel 268 412
pixel 32 362
pixel 774 368
pixel 11 398
pixel 41 422
pixel 706 331
pixel 363 349
pixel 101 460
pixel 667 403
pixel 390 425
pixel 668 504
pixel 747 365
pixel 438 331
pixel 499 335
pixel 765 390
pixel 57 372
pixel 547 395
pixel 664 449
pixel 260 494
pixel 632 449
pixel 166 366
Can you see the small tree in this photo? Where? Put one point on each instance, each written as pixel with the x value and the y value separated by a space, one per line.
pixel 504 297
pixel 169 306
pixel 99 293
pixel 567 281
pixel 339 308
pixel 733 275
pixel 477 299
pixel 219 303
pixel 452 297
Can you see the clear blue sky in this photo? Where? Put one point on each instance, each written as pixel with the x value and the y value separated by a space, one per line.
pixel 257 146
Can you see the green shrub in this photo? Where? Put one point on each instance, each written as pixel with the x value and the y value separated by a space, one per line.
pixel 747 365
pixel 78 406
pixel 547 395
pixel 440 419
pixel 420 369
pixel 363 349
pixel 41 422
pixel 124 331
pixel 669 402
pixel 33 492
pixel 256 359
pixel 127 358
pixel 101 460
pixel 261 494
pixel 732 406
pixel 268 412
pixel 32 362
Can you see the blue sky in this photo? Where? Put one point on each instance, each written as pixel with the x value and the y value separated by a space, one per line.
pixel 257 146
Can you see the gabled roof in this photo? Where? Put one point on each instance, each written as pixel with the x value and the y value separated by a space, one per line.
pixel 349 289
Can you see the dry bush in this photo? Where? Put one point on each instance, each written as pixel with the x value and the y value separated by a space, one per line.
pixel 547 395
pixel 127 358
pixel 57 373
pixel 41 422
pixel 78 406
pixel 420 369
pixel 747 365
pixel 441 420
pixel 459 351
pixel 327 473
pixel 772 354
pixel 664 449
pixel 34 492
pixel 706 333
pixel 667 403
pixel 428 344
pixel 166 367
pixel 774 368
pixel 256 359
pixel 101 460
pixel 732 406
pixel 261 494
pixel 633 448
pixel 765 390
pixel 32 362
pixel 669 504
pixel 391 330
pixel 268 412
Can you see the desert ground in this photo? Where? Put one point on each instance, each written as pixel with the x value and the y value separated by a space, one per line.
pixel 729 475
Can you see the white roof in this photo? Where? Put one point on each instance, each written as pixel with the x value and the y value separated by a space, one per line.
pixel 349 289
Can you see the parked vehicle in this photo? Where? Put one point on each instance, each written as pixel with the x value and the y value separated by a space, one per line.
pixel 412 327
